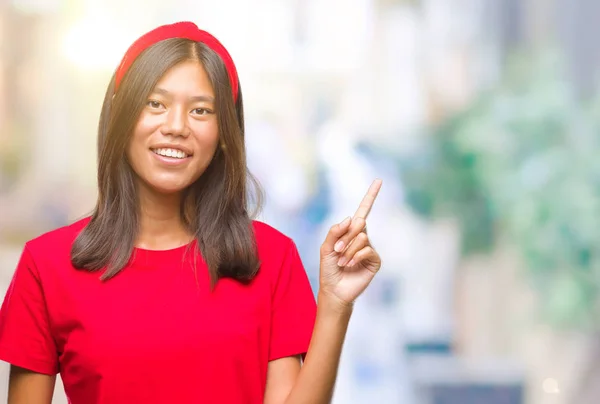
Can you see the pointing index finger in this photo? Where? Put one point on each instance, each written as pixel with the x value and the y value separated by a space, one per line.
pixel 367 202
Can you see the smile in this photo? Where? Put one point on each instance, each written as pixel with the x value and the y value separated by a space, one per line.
pixel 173 153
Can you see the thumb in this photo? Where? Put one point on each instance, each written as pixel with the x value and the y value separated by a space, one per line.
pixel 335 233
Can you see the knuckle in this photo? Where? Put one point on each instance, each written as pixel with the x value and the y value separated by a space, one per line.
pixel 323 249
pixel 363 237
pixel 360 223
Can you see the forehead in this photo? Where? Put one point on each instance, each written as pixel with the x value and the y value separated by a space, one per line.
pixel 188 78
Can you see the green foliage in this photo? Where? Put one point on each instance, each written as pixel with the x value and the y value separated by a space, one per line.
pixel 522 164
pixel 13 151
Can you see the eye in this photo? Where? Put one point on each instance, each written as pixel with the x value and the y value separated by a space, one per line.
pixel 201 111
pixel 154 104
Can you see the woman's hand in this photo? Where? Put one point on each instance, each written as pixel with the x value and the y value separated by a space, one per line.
pixel 348 261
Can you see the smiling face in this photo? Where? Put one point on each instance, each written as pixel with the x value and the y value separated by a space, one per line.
pixel 177 134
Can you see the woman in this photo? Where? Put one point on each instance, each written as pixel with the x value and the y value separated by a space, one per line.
pixel 169 292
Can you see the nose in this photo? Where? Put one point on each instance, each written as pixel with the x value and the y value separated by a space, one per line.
pixel 175 123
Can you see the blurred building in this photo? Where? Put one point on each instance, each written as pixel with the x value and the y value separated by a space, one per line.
pixel 327 84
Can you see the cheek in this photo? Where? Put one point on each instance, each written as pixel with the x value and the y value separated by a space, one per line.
pixel 207 142
pixel 135 148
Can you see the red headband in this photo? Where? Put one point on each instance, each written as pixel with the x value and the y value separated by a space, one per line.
pixel 187 30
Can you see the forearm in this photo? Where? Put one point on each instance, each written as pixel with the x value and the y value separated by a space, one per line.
pixel 316 381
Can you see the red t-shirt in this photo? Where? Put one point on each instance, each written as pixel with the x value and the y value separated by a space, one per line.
pixel 155 333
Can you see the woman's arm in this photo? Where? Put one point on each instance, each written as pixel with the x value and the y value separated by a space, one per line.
pixel 348 264
pixel 314 382
pixel 27 387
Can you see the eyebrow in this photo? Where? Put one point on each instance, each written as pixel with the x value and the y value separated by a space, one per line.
pixel 196 98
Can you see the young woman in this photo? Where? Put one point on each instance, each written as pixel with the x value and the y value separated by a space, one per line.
pixel 169 292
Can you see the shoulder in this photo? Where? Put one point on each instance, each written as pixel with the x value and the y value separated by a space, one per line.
pixel 47 256
pixel 274 247
pixel 267 235
pixel 57 242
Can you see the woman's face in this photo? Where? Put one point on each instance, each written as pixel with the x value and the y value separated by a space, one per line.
pixel 176 135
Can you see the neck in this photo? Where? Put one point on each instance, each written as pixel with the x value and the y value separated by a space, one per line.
pixel 161 226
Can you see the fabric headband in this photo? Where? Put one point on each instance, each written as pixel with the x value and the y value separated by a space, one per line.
pixel 184 29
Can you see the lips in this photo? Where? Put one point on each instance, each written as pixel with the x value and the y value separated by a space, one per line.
pixel 170 152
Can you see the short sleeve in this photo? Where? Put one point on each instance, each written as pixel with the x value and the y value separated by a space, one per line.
pixel 25 337
pixel 293 310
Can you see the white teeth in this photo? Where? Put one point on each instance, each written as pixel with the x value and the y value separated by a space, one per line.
pixel 170 153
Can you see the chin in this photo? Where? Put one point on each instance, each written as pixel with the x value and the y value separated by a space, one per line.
pixel 169 190
pixel 167 187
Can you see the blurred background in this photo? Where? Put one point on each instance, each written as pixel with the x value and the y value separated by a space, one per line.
pixel 481 116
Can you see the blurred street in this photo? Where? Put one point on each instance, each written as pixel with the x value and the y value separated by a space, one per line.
pixel 481 117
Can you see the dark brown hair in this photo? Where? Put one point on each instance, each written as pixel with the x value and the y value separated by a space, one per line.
pixel 215 207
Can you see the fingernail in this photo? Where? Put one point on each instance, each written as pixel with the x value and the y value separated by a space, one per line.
pixel 339 246
pixel 342 261
pixel 351 263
